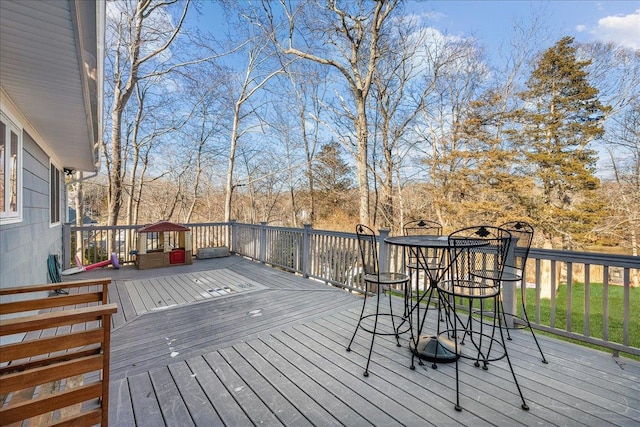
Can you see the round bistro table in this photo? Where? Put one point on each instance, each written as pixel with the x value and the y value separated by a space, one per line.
pixel 430 254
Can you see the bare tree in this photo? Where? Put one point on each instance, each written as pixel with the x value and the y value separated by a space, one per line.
pixel 307 83
pixel 623 190
pixel 203 139
pixel 400 91
pixel 146 130
pixel 139 34
pixel 352 34
pixel 441 148
pixel 259 69
pixel 615 71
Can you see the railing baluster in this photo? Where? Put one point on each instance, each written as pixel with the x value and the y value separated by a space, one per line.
pixel 587 299
pixel 605 304
pixel 569 305
pixel 554 275
pixel 627 304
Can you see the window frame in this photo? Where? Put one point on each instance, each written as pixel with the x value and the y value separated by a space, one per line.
pixel 12 216
pixel 55 194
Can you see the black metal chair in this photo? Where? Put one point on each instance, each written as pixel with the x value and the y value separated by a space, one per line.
pixel 381 283
pixel 477 258
pixel 421 227
pixel 524 233
pixel 429 258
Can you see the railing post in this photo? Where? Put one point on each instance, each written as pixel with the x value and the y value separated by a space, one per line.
pixel 306 250
pixel 263 242
pixel 66 245
pixel 231 235
pixel 383 252
pixel 509 286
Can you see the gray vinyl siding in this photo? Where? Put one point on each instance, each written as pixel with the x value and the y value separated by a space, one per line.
pixel 25 246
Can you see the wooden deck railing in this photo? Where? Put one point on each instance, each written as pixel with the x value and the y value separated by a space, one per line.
pixel 331 257
pixel 55 353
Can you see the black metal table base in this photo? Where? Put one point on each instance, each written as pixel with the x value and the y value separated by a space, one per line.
pixel 434 349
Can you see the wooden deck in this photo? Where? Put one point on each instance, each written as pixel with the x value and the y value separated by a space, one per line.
pixel 274 354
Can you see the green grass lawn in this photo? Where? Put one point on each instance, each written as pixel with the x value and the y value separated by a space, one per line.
pixel 596 310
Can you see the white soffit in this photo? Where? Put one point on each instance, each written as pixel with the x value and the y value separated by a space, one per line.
pixel 48 69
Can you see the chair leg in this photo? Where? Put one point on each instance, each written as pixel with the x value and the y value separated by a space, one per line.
pixel 477 337
pixel 393 322
pixel 526 319
pixel 468 327
pixel 496 324
pixel 408 295
pixel 373 335
pixel 506 353
pixel 420 324
pixel 504 320
pixel 364 303
pixel 455 340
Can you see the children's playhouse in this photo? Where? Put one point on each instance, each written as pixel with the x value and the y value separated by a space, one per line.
pixel 163 244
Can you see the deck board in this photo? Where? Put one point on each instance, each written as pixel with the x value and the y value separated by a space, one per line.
pixel 120 404
pixel 226 409
pixel 556 385
pixel 249 398
pixel 175 290
pixel 146 406
pixel 276 356
pixel 173 407
pixel 250 376
pixel 310 411
pixel 203 326
pixel 390 368
pixel 312 381
pixel 126 312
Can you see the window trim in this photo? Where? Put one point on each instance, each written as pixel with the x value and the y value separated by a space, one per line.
pixel 12 125
pixel 55 177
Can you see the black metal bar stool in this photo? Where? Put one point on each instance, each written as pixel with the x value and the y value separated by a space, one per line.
pixel 414 265
pixel 524 233
pixel 381 283
pixel 473 284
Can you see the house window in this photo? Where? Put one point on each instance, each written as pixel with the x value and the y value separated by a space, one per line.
pixel 54 194
pixel 10 171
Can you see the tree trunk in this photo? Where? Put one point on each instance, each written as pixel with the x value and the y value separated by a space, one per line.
pixel 361 162
pixel 232 159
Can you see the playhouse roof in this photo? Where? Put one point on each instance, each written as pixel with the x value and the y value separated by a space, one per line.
pixel 163 226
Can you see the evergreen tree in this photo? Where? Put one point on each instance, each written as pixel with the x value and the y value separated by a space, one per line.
pixel 494 192
pixel 560 117
pixel 331 171
pixel 333 181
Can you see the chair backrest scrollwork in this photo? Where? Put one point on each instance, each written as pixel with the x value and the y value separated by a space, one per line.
pixel 482 262
pixel 368 247
pixel 523 231
pixel 422 227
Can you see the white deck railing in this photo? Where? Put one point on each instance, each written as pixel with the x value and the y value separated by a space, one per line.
pixel 587 280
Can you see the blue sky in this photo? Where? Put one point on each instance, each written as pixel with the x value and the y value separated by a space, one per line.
pixel 491 22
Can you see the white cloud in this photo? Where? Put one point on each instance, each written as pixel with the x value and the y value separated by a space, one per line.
pixel 620 29
pixel 157 27
pixel 581 28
